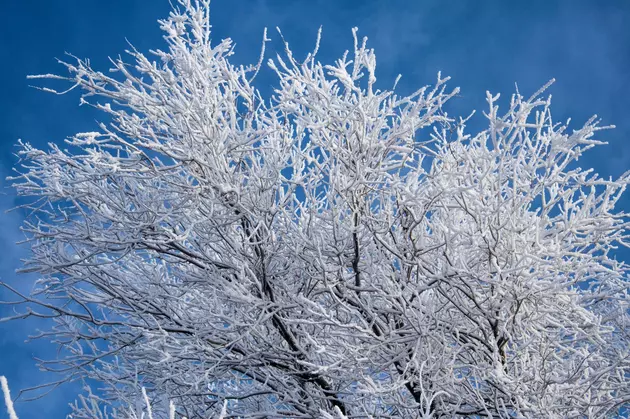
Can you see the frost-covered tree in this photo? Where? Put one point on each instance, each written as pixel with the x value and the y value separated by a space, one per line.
pixel 333 249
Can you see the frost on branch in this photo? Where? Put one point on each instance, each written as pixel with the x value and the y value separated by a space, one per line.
pixel 332 251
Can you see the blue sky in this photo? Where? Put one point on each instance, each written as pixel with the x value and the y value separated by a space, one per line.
pixel 486 45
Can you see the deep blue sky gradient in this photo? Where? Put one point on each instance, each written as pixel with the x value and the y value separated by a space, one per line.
pixel 486 45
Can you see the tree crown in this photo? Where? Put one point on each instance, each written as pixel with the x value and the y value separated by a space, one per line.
pixel 335 249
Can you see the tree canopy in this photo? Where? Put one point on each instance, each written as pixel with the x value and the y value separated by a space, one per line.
pixel 332 250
